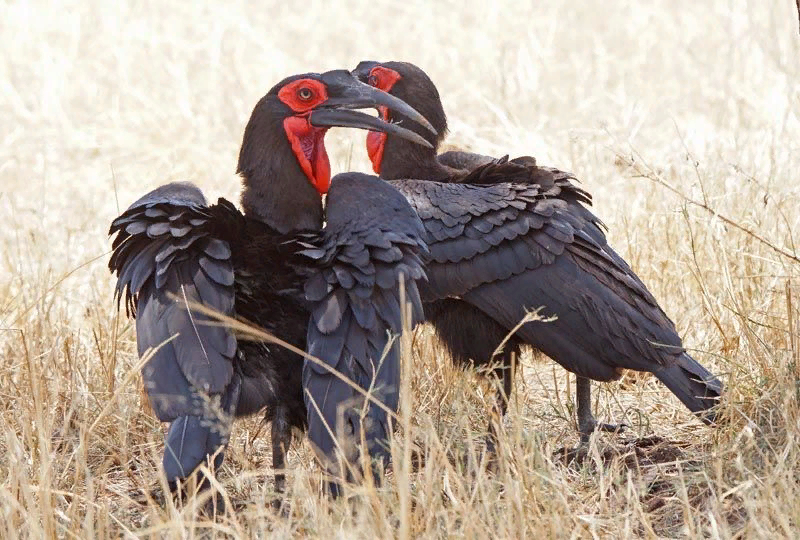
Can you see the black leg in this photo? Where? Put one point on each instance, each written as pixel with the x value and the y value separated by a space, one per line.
pixel 586 421
pixel 500 406
pixel 583 398
pixel 471 338
pixel 281 441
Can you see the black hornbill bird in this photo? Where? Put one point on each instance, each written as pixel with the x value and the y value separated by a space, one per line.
pixel 333 290
pixel 510 236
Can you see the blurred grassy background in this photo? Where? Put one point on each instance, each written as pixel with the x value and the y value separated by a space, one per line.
pixel 101 102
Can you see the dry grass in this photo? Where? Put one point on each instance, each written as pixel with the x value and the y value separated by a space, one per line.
pixel 100 102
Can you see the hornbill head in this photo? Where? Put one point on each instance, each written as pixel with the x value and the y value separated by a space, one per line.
pixel 299 110
pixel 409 83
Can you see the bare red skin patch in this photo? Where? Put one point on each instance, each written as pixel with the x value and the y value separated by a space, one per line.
pixel 307 141
pixel 308 145
pixel 303 95
pixel 376 144
pixel 384 79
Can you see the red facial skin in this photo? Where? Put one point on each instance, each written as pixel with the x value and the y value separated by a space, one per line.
pixel 307 141
pixel 384 79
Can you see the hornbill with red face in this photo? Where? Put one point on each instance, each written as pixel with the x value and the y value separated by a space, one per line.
pixel 507 237
pixel 333 291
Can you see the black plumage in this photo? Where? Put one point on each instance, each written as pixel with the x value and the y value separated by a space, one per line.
pixel 202 361
pixel 276 266
pixel 357 299
pixel 510 236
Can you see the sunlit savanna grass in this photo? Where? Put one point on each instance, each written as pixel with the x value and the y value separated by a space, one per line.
pixel 101 102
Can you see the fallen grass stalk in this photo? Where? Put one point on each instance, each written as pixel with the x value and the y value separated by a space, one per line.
pixel 653 176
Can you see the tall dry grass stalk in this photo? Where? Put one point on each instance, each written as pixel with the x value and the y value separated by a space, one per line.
pixel 680 117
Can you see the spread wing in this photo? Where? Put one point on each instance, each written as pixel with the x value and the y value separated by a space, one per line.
pixel 167 256
pixel 372 242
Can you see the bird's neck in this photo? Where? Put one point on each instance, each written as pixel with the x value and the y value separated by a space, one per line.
pixel 404 159
pixel 280 195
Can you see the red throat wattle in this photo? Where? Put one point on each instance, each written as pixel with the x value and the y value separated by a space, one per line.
pixel 376 143
pixel 308 145
pixel 384 79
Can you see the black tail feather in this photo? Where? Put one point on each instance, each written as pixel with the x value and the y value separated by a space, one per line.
pixel 694 385
pixel 336 425
pixel 189 440
pixel 194 437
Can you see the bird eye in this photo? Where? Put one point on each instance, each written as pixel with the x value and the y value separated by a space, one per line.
pixel 373 80
pixel 305 93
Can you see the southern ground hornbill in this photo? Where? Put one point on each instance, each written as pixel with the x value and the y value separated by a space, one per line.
pixel 507 237
pixel 333 290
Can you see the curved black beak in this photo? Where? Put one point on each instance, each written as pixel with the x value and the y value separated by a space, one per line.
pixel 356 119
pixel 347 92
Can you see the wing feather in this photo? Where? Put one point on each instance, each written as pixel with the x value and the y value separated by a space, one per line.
pixel 165 259
pixel 367 254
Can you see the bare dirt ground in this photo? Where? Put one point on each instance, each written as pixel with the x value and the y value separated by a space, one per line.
pixel 681 118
